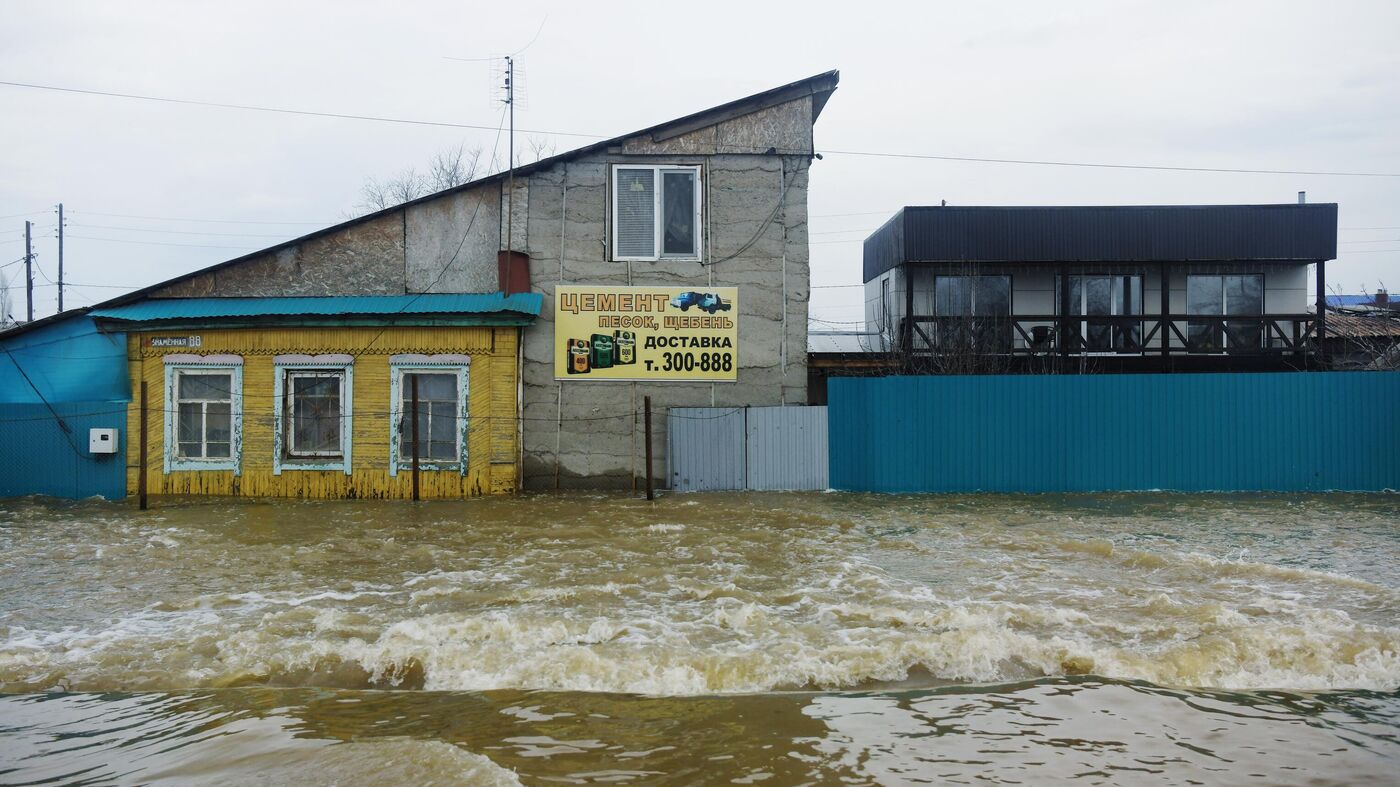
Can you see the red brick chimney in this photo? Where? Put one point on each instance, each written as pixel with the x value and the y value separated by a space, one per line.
pixel 1382 299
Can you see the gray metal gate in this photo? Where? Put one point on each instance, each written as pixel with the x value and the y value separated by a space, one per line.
pixel 732 448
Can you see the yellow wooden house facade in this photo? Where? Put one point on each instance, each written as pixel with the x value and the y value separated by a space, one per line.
pixel 312 397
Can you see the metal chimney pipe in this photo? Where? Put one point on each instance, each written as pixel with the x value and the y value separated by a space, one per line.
pixel 1302 198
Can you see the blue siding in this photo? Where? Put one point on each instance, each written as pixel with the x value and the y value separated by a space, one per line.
pixel 68 361
pixel 82 374
pixel 37 457
pixel 1281 432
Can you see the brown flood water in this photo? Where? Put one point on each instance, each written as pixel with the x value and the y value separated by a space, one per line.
pixel 777 638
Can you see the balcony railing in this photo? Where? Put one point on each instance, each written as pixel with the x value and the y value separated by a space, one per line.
pixel 1049 334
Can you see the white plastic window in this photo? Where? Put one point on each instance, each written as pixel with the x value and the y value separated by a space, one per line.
pixel 656 212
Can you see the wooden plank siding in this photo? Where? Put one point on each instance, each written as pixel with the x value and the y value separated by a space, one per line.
pixel 492 447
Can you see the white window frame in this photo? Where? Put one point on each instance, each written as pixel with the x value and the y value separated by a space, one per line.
pixel 399 365
pixel 284 368
pixel 177 364
pixel 658 212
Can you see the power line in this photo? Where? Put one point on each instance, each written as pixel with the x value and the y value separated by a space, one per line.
pixel 1380 240
pixel 828 151
pixel 862 213
pixel 180 232
pixel 279 110
pixel 158 243
pixel 200 221
pixel 1098 165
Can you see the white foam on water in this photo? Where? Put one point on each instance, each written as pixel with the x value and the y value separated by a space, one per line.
pixel 626 617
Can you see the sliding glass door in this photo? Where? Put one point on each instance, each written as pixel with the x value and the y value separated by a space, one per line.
pixel 974 313
pixel 1103 295
pixel 1225 295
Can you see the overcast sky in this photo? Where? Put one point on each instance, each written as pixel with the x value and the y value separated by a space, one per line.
pixel 1252 85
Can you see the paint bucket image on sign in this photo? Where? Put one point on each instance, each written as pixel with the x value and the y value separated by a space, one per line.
pixel 602 351
pixel 578 356
pixel 626 345
pixel 660 334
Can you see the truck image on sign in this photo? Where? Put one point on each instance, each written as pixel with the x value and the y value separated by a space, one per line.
pixel 707 302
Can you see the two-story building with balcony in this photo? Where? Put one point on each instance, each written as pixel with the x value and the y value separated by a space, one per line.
pixel 967 290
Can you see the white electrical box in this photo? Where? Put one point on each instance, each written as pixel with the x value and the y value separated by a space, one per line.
pixel 102 441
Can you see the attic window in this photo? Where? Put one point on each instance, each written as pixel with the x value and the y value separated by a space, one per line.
pixel 656 213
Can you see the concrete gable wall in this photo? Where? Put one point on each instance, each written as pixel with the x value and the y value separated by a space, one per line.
pixel 754 236
pixel 362 259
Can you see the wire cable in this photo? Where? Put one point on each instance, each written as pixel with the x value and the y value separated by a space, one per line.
pixel 178 232
pixel 159 243
pixel 824 151
pixel 197 221
pixel 281 111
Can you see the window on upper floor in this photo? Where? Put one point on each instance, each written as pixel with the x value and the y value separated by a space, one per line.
pixel 973 313
pixel 1225 295
pixel 655 212
pixel 1103 295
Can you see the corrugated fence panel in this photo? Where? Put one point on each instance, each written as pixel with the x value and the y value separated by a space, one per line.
pixel 37 457
pixel 787 448
pixel 1187 432
pixel 705 448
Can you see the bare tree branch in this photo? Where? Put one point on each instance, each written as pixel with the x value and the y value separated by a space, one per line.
pixel 447 168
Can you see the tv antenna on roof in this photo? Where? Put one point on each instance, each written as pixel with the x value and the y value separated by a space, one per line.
pixel 509 88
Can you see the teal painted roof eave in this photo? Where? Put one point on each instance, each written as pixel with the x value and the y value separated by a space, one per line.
pixel 159 309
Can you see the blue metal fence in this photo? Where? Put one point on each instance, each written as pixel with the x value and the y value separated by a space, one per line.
pixel 80 372
pixel 37 457
pixel 1063 433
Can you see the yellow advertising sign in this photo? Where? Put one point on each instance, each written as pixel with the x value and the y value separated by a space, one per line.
pixel 657 334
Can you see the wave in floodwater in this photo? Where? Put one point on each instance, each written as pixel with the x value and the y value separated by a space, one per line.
pixel 703 594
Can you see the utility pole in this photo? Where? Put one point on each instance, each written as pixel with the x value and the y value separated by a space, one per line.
pixel 510 156
pixel 28 273
pixel 60 257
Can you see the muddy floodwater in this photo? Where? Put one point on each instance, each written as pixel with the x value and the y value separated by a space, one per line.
pixel 776 638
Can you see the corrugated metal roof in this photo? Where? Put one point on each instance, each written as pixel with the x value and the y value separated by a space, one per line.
pixel 1362 326
pixel 1350 300
pixel 843 342
pixel 527 303
pixel 1126 233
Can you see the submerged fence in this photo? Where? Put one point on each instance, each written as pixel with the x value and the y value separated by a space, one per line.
pixel 760 448
pixel 1281 432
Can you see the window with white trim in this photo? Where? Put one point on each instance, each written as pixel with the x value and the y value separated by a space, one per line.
pixel 312 417
pixel 204 414
pixel 314 412
pixel 443 385
pixel 655 212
